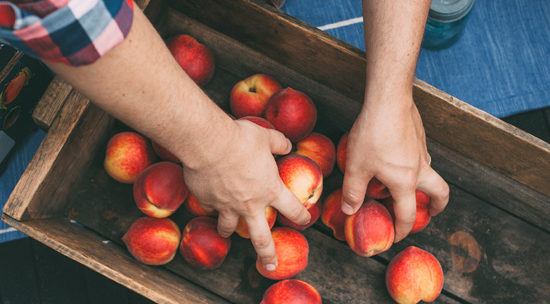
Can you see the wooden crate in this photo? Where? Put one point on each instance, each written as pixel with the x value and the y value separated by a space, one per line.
pixel 492 240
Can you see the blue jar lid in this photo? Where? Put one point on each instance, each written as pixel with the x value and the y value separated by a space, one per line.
pixel 449 10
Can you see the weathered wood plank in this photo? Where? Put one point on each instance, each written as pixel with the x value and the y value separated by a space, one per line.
pixel 50 104
pixel 87 248
pixel 11 63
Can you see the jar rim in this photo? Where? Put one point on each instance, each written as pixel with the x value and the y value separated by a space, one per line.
pixel 449 10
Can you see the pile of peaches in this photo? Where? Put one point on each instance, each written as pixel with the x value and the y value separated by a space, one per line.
pixel 159 190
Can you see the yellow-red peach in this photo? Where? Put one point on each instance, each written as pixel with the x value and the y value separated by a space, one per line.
pixel 292 252
pixel 195 58
pixel 201 245
pixel 370 230
pixel 164 154
pixel 414 275
pixel 320 149
pixel 375 189
pixel 314 212
pixel 193 206
pixel 127 154
pixel 422 212
pixel 291 291
pixel 249 96
pixel 160 189
pixel 152 241
pixel 291 112
pixel 302 176
pixel 332 215
pixel 242 227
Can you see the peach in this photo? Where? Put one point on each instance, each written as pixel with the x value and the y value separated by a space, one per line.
pixel 292 252
pixel 302 176
pixel 249 96
pixel 332 215
pixel 320 149
pixel 414 275
pixel 192 204
pixel 422 212
pixel 291 112
pixel 164 154
pixel 242 227
pixel 259 121
pixel 375 189
pixel 160 189
pixel 314 212
pixel 201 245
pixel 370 230
pixel 291 291
pixel 127 154
pixel 195 58
pixel 152 241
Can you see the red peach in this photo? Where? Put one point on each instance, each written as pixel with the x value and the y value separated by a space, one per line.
pixel 152 241
pixel 259 121
pixel 192 204
pixel 242 227
pixel 332 215
pixel 201 245
pixel 375 189
pixel 414 275
pixel 302 176
pixel 320 149
pixel 370 230
pixel 291 291
pixel 195 58
pixel 291 112
pixel 422 212
pixel 160 189
pixel 127 154
pixel 249 96
pixel 314 212
pixel 164 154
pixel 292 252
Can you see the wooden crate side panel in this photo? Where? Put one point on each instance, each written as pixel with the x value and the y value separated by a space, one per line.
pixel 113 261
pixel 51 102
pixel 339 66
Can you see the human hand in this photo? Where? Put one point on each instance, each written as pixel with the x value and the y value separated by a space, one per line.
pixel 389 143
pixel 244 182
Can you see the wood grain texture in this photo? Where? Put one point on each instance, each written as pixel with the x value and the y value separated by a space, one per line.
pixel 112 261
pixel 337 65
pixel 51 102
pixel 9 66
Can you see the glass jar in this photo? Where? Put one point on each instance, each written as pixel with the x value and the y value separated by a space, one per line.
pixel 446 21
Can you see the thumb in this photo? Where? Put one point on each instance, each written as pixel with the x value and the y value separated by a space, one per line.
pixel 278 143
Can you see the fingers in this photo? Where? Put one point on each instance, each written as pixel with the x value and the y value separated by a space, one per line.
pixel 353 189
pixel 288 205
pixel 436 188
pixel 260 235
pixel 405 212
pixel 278 143
pixel 227 223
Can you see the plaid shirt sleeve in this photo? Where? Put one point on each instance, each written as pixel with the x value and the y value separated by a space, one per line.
pixel 75 32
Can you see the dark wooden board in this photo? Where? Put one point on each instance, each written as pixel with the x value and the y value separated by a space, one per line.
pixel 51 102
pixel 18 279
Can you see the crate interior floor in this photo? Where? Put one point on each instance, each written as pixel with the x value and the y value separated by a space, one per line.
pixel 30 272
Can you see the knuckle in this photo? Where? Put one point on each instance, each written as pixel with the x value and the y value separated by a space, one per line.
pixel 261 242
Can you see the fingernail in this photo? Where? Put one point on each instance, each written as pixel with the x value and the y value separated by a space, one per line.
pixel 347 209
pixel 270 267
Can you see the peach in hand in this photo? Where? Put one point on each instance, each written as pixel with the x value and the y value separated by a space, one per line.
pixel 320 149
pixel 192 204
pixel 242 227
pixel 291 291
pixel 332 215
pixel 422 210
pixel 127 154
pixel 314 212
pixel 302 176
pixel 201 245
pixel 292 252
pixel 160 189
pixel 259 121
pixel 249 96
pixel 370 230
pixel 164 154
pixel 152 241
pixel 414 275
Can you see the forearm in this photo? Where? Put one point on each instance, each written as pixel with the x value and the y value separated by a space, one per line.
pixel 393 35
pixel 140 83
